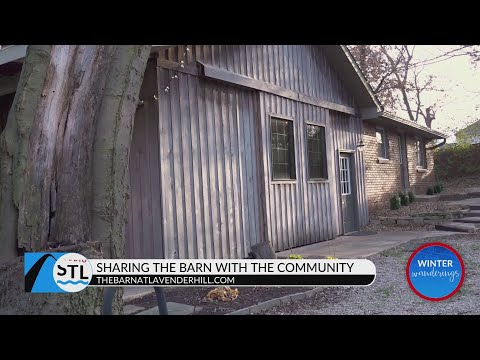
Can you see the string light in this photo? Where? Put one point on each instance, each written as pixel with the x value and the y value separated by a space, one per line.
pixel 175 75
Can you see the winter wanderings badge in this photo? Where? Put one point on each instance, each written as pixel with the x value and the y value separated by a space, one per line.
pixel 435 271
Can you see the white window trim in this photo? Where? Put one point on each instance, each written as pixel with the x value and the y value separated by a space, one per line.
pixel 385 145
pixel 421 168
pixel 349 178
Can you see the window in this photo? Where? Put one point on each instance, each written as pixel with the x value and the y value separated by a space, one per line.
pixel 382 143
pixel 283 150
pixel 345 176
pixel 421 154
pixel 316 152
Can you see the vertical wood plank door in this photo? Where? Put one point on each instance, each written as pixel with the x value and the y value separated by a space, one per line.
pixel 144 228
pixel 208 168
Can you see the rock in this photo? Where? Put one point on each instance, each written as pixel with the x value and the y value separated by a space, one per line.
pixel 433 217
pixel 466 228
pixel 262 250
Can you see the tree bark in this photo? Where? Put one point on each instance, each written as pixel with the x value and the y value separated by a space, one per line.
pixel 64 152
pixel 14 143
pixel 112 147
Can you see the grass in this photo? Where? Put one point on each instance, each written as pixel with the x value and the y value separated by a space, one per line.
pixel 386 292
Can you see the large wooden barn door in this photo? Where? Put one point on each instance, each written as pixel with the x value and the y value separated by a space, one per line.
pixel 209 172
pixel 144 229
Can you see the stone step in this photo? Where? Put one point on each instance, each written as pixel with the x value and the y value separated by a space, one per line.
pixel 454 197
pixel 472 214
pixel 474 207
pixel 458 227
pixel 427 198
pixel 469 220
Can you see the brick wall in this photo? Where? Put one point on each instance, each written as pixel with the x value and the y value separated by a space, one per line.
pixel 384 179
pixel 419 180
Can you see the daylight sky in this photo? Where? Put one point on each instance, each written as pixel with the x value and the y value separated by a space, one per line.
pixel 460 80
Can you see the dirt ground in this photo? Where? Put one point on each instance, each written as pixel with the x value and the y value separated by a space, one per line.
pixel 459 185
pixel 416 208
pixel 196 297
pixel 413 208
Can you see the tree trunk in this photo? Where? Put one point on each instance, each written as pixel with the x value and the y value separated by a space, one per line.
pixel 64 151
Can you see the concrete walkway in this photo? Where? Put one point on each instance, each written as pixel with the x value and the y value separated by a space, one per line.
pixel 354 247
pixel 132 293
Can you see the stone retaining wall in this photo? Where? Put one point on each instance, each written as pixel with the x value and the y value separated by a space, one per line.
pixel 421 219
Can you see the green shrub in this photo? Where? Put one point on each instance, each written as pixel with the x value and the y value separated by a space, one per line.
pixel 411 196
pixel 430 191
pixel 457 161
pixel 436 189
pixel 440 185
pixel 395 202
pixel 293 256
pixel 404 199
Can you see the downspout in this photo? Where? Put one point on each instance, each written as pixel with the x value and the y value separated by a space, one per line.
pixel 438 145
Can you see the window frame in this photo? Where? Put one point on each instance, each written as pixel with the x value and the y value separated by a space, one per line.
pixel 273 180
pixel 325 156
pixel 348 172
pixel 384 136
pixel 421 149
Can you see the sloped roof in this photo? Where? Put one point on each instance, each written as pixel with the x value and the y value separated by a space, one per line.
pixel 351 74
pixel 390 120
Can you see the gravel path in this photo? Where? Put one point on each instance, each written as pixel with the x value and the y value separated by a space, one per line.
pixel 390 293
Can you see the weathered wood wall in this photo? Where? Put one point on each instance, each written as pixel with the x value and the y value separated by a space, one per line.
pixel 298 212
pixel 144 231
pixel 217 195
pixel 303 68
pixel 347 131
pixel 211 201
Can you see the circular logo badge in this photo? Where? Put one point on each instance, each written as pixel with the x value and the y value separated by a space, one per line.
pixel 435 271
pixel 72 272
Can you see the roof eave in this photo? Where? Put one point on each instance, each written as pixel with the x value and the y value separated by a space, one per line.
pixel 362 77
pixel 412 127
pixel 12 53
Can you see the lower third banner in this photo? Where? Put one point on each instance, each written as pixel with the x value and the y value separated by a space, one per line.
pixel 72 272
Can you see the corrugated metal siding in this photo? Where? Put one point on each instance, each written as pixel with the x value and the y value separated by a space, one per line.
pixel 208 169
pixel 347 134
pixel 303 68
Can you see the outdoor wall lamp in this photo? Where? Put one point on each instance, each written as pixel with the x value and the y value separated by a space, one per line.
pixel 360 145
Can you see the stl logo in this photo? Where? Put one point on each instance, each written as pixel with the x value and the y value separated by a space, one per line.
pixel 72 272
pixel 56 272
